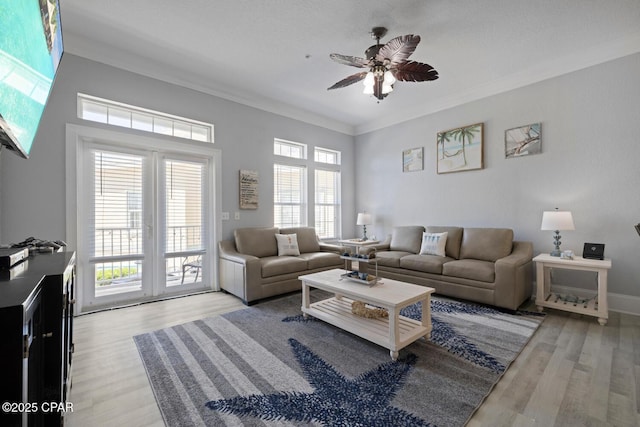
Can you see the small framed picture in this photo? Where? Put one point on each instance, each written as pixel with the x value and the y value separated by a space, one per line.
pixel 523 141
pixel 412 159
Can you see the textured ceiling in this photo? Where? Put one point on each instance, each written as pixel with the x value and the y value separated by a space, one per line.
pixel 274 54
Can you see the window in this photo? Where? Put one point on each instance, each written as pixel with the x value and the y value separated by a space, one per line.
pixel 324 155
pixel 289 204
pixel 128 116
pixel 134 209
pixel 290 188
pixel 327 206
pixel 294 150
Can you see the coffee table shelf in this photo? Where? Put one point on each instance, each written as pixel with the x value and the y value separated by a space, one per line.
pixel 338 313
pixel 394 332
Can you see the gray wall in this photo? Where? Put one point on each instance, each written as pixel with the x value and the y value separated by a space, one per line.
pixel 33 196
pixel 589 165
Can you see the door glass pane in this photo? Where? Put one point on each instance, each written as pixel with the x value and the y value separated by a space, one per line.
pixel 117 229
pixel 184 244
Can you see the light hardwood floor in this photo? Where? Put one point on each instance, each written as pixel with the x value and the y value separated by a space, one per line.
pixel 573 372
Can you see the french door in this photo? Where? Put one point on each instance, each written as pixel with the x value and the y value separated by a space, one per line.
pixel 146 220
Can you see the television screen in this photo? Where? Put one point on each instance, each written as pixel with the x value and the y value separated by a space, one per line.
pixel 30 51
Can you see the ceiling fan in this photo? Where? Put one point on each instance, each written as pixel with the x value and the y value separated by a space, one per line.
pixel 387 64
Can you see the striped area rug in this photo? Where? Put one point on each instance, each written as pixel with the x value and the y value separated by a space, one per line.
pixel 267 365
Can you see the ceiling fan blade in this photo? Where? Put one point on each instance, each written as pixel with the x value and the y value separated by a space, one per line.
pixel 354 61
pixel 398 50
pixel 412 71
pixel 354 78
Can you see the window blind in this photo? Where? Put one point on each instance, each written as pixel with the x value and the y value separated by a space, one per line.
pixel 116 217
pixel 327 203
pixel 184 205
pixel 289 195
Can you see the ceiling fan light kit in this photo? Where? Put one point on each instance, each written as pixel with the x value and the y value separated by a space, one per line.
pixel 387 64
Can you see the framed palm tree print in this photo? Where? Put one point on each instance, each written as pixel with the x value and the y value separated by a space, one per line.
pixel 460 149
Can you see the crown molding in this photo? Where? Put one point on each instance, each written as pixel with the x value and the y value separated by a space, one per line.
pixel 541 71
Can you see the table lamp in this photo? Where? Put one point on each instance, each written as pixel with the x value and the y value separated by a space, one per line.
pixel 556 221
pixel 364 219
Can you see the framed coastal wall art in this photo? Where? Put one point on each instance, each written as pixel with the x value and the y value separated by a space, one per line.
pixel 460 149
pixel 523 141
pixel 248 189
pixel 413 159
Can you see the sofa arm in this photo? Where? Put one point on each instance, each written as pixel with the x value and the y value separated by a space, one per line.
pixel 514 276
pixel 521 253
pixel 240 274
pixel 227 250
pixel 331 247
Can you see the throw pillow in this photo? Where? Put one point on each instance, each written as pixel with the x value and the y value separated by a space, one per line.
pixel 288 244
pixel 433 243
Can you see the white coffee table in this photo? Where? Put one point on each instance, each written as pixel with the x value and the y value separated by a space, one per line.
pixel 393 333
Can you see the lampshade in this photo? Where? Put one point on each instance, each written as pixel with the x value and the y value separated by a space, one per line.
pixel 364 219
pixel 389 79
pixel 557 220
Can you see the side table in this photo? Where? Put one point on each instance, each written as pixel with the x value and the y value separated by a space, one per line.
pixel 356 273
pixel 545 297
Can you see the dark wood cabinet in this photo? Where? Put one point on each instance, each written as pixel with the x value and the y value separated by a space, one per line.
pixel 36 344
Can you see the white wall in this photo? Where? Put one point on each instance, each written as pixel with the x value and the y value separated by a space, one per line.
pixel 33 190
pixel 590 165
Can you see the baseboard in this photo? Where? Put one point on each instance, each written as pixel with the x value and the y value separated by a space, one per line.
pixel 621 303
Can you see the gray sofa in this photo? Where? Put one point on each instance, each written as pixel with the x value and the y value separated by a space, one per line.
pixel 483 265
pixel 251 269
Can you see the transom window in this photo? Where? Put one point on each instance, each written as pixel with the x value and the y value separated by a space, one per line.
pixel 294 150
pixel 129 116
pixel 324 155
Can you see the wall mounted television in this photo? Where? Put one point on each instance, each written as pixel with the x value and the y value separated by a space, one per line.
pixel 30 52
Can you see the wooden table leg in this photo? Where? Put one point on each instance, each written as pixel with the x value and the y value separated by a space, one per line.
pixel 426 316
pixel 394 332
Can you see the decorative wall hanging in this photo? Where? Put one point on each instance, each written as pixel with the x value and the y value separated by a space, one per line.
pixel 413 159
pixel 460 149
pixel 248 189
pixel 523 141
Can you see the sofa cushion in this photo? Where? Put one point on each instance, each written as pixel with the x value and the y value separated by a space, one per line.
pixel 287 244
pixel 406 238
pixel 307 238
pixel 433 244
pixel 259 242
pixel 454 238
pixel 321 259
pixel 473 269
pixel 425 263
pixel 277 265
pixel 487 244
pixel 391 258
